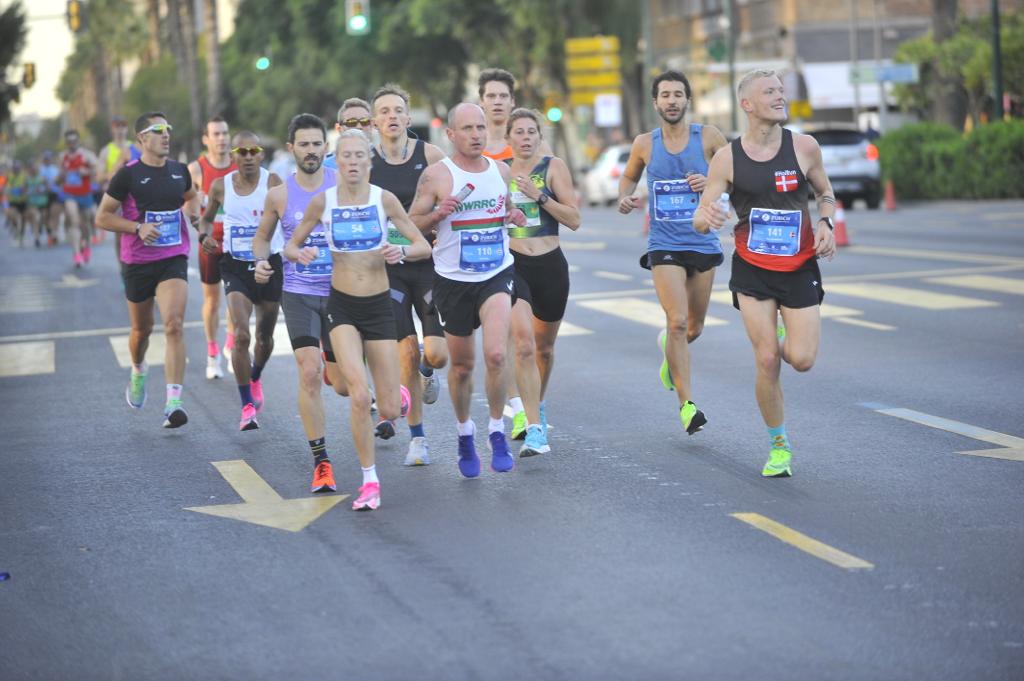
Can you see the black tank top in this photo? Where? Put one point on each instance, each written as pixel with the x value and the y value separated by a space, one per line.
pixel 400 179
pixel 777 184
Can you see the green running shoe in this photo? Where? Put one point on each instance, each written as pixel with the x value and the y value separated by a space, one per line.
pixel 693 418
pixel 780 329
pixel 518 426
pixel 135 393
pixel 663 372
pixel 778 464
pixel 174 414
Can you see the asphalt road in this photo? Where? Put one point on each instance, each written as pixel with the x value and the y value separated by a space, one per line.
pixel 617 556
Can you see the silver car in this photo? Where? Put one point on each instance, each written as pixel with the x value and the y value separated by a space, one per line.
pixel 851 161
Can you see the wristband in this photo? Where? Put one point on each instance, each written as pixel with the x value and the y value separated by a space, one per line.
pixel 402 248
pixel 138 228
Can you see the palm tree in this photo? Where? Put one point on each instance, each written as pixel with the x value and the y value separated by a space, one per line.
pixel 213 72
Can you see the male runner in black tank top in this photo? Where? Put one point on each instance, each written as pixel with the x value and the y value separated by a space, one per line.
pixel 775 264
pixel 398 162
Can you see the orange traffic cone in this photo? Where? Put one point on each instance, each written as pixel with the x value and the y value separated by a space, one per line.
pixel 842 239
pixel 890 196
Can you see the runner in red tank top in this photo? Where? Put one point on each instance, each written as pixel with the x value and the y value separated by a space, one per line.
pixel 215 163
pixel 77 168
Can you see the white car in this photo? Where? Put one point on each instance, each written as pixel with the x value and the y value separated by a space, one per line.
pixel 601 183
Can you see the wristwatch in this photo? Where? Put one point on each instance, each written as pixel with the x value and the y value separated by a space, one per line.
pixel 828 221
pixel 542 199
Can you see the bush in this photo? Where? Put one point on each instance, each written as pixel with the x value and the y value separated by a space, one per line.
pixel 934 161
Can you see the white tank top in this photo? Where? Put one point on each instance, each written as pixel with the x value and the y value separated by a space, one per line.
pixel 242 216
pixel 351 229
pixel 472 243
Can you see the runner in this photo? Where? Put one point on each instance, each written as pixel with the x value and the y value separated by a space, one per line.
pixel 78 166
pixel 112 156
pixel 154 249
pixel 306 287
pixel 359 310
pixel 239 197
pixel 767 172
pixel 542 188
pixel 682 262
pixel 397 165
pixel 54 197
pixel 38 200
pixel 17 197
pixel 466 199
pixel 214 164
pixel 354 114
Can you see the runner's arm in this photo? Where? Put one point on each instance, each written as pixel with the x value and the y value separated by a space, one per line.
pixel 214 199
pixel 419 249
pixel 423 212
pixel 268 225
pixel 712 140
pixel 293 250
pixel 628 198
pixel 807 149
pixel 196 172
pixel 709 215
pixel 433 153
pixel 563 205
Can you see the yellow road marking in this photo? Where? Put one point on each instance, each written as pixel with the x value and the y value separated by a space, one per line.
pixel 594 295
pixel 27 359
pixel 921 274
pixel 984 283
pixel 584 245
pixel 261 505
pixel 154 353
pixel 567 329
pixel 853 321
pixel 908 297
pixel 573 269
pixel 922 254
pixel 803 542
pixel 639 310
pixel 614 276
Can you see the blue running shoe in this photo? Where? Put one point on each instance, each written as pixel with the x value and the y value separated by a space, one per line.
pixel 543 419
pixel 536 442
pixel 501 459
pixel 469 462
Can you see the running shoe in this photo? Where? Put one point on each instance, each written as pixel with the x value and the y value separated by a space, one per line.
pixel 780 329
pixel 693 418
pixel 213 368
pixel 544 419
pixel 419 452
pixel 501 459
pixel 77 260
pixel 385 429
pixel 135 393
pixel 373 402
pixel 663 372
pixel 227 355
pixel 248 421
pixel 86 254
pixel 778 465
pixel 431 388
pixel 369 497
pixel 257 395
pixel 174 414
pixel 403 392
pixel 323 478
pixel 536 442
pixel 469 462
pixel 519 426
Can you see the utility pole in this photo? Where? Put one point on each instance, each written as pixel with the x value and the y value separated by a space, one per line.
pixel 883 106
pixel 854 66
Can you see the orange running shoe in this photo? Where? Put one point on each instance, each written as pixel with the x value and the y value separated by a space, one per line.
pixel 323 478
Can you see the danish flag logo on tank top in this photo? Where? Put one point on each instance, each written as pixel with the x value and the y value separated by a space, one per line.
pixel 785 181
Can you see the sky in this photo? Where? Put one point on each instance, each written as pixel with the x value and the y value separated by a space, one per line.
pixel 48 45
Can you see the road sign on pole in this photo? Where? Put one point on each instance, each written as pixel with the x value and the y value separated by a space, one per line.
pixel 593 66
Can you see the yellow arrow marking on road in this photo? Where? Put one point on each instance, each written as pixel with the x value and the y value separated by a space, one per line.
pixel 1011 447
pixel 261 505
pixel 803 542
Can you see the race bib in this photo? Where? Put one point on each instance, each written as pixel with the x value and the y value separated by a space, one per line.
pixel 774 232
pixel 395 237
pixel 481 250
pixel 674 201
pixel 169 224
pixel 73 178
pixel 355 229
pixel 240 242
pixel 321 266
pixel 531 209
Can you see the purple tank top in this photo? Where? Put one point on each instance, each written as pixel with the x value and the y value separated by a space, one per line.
pixel 313 279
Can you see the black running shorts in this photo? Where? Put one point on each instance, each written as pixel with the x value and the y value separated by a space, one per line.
pixel 543 282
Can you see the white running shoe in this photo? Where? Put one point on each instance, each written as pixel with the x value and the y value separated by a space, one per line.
pixel 431 387
pixel 214 368
pixel 419 452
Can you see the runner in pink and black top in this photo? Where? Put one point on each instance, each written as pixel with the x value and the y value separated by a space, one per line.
pixel 150 193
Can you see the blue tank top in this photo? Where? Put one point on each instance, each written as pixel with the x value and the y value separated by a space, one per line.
pixel 315 278
pixel 670 202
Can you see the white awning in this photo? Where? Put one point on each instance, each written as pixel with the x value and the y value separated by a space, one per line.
pixel 828 85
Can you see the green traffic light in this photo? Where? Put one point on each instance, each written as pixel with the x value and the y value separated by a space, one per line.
pixel 358 22
pixel 263 63
pixel 554 114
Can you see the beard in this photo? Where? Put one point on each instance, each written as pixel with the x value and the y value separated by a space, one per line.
pixel 672 118
pixel 304 165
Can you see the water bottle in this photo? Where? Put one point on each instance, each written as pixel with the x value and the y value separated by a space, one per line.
pixel 723 204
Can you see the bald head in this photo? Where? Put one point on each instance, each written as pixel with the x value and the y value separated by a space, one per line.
pixel 245 138
pixel 461 111
pixel 467 129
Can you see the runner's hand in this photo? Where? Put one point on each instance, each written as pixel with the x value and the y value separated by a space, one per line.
pixel 263 272
pixel 516 217
pixel 824 242
pixel 392 254
pixel 522 183
pixel 629 203
pixel 148 232
pixel 697 182
pixel 446 207
pixel 307 255
pixel 211 246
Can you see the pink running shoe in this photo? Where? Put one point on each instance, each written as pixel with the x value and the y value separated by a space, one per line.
pixel 86 254
pixel 77 257
pixel 369 497
pixel 406 399
pixel 257 395
pixel 248 421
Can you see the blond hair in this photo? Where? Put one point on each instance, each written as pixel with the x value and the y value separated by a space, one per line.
pixel 751 76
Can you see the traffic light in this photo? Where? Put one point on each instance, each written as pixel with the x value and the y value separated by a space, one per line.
pixel 554 114
pixel 263 63
pixel 76 16
pixel 357 17
pixel 28 78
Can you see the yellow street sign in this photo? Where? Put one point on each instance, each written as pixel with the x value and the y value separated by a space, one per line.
pixel 597 62
pixel 800 108
pixel 587 97
pixel 591 45
pixel 610 80
pixel 261 505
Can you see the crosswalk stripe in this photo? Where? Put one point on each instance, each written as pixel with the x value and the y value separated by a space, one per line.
pixel 27 359
pixel 638 310
pixel 614 276
pixel 909 297
pixel 26 293
pixel 567 329
pixel 854 321
pixel 984 283
pixel 828 310
pixel 154 353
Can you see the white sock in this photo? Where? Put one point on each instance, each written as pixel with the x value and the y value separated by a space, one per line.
pixel 140 368
pixel 516 404
pixel 495 426
pixel 370 475
pixel 467 428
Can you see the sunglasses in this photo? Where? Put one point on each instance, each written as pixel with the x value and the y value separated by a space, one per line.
pixel 247 151
pixel 356 122
pixel 158 128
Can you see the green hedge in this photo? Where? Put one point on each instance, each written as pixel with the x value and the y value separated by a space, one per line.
pixel 933 161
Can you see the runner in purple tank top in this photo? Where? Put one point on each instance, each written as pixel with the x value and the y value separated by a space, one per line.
pixel 306 287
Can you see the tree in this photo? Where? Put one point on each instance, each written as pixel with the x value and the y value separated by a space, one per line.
pixel 13 32
pixel 950 98
pixel 211 25
pixel 181 26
